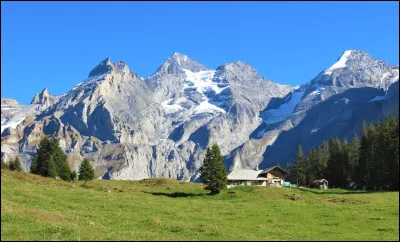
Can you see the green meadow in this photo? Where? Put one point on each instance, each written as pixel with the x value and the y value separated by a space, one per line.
pixel 37 208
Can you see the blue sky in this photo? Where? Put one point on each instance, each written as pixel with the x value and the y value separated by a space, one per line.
pixel 56 44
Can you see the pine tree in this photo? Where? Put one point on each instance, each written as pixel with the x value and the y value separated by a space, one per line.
pixel 213 171
pixel 60 160
pixel 390 133
pixel 345 164
pixel 290 169
pixel 371 157
pixel 206 168
pixel 49 168
pixel 73 175
pixel 300 167
pixel 40 161
pixel 353 155
pixel 3 164
pixel 362 171
pixel 335 171
pixel 313 171
pixel 86 171
pixel 34 165
pixel 15 165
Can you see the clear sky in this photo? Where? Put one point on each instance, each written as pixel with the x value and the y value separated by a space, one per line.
pixel 56 44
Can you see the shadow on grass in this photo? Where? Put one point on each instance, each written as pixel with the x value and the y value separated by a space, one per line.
pixel 175 194
pixel 345 192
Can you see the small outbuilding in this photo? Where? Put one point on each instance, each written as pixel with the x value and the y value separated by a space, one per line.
pixel 321 184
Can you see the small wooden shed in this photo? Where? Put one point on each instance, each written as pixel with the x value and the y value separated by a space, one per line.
pixel 321 184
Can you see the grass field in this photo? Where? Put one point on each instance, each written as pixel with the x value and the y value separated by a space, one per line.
pixel 36 208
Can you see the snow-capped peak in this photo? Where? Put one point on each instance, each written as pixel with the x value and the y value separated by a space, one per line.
pixel 341 63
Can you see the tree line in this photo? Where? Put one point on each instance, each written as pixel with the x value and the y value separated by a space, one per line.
pixel 51 161
pixel 370 163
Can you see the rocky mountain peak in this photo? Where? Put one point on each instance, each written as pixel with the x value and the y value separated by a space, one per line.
pixel 9 102
pixel 41 98
pixel 177 62
pixel 101 68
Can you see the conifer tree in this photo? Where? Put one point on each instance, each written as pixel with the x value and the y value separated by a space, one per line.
pixel 86 171
pixel 289 168
pixel 73 175
pixel 213 173
pixel 300 167
pixel 60 160
pixel 15 165
pixel 353 156
pixel 313 166
pixel 3 164
pixel 362 171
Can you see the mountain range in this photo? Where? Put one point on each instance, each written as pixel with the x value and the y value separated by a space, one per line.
pixel 132 127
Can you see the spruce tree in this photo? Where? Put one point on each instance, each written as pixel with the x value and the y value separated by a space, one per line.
pixel 60 160
pixel 34 165
pixel 314 169
pixel 335 171
pixel 362 171
pixel 300 167
pixel 213 173
pixel 86 171
pixel 49 168
pixel 290 169
pixel 353 156
pixel 73 175
pixel 15 165
pixel 390 135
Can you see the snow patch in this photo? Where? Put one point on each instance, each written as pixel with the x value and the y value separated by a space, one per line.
pixel 284 111
pixel 317 91
pixel 202 81
pixel 12 124
pixel 206 107
pixel 341 63
pixel 171 108
pixel 378 98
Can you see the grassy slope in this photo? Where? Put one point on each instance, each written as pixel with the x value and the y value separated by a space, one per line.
pixel 35 208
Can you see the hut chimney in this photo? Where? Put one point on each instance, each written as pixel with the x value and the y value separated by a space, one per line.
pixel 257 167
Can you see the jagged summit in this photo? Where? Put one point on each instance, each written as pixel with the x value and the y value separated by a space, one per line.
pixel 107 66
pixel 41 98
pixel 348 56
pixel 101 68
pixel 177 62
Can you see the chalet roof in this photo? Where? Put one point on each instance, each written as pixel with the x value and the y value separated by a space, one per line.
pixel 246 175
pixel 320 180
pixel 271 168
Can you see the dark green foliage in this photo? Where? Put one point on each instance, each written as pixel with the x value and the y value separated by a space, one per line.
pixel 290 169
pixel 300 168
pixel 372 163
pixel 213 173
pixel 86 171
pixel 15 165
pixel 3 164
pixel 73 175
pixel 50 160
pixel 353 157
pixel 313 166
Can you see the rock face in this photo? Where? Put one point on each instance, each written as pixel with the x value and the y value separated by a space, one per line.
pixel 135 128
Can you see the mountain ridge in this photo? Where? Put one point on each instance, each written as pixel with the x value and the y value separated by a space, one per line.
pixel 133 127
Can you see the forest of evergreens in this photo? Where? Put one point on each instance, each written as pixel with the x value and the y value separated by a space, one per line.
pixel 371 162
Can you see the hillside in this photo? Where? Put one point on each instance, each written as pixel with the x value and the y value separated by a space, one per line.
pixel 37 208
